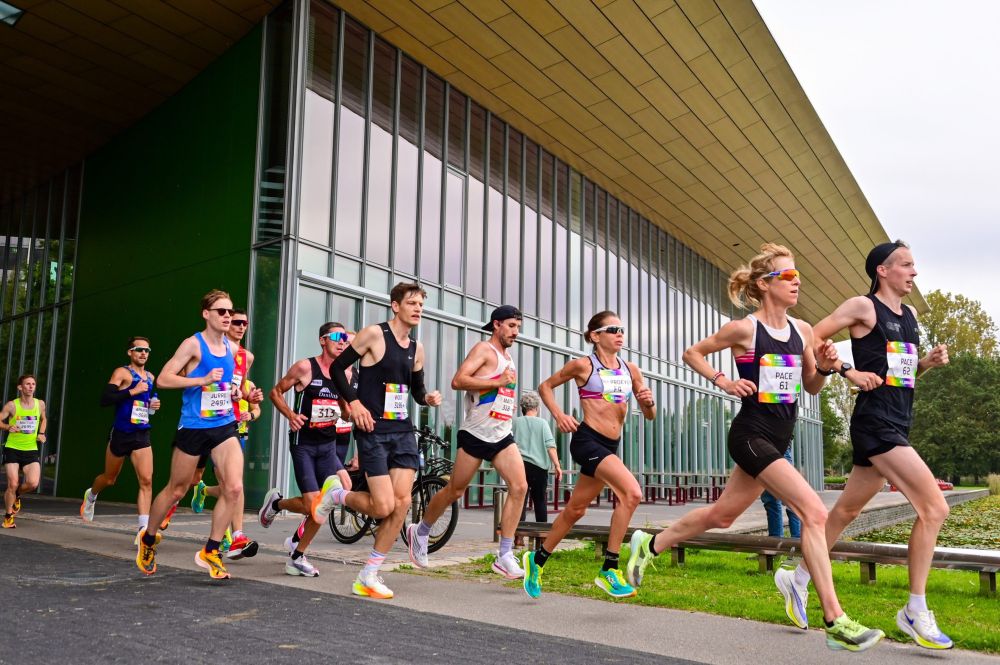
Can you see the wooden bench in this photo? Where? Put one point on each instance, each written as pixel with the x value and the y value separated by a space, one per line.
pixel 767 549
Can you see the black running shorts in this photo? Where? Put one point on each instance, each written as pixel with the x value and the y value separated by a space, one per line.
pixel 198 442
pixel 379 452
pixel 480 449
pixel 588 448
pixel 123 444
pixel 873 436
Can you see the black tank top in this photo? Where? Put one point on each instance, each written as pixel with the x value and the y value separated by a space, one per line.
pixel 888 402
pixel 775 367
pixel 319 402
pixel 384 388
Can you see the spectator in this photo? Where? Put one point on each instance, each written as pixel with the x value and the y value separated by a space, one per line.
pixel 772 505
pixel 538 448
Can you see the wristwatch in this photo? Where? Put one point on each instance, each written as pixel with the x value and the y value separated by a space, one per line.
pixel 844 369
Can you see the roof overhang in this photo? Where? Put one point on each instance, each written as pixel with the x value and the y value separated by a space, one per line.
pixel 686 110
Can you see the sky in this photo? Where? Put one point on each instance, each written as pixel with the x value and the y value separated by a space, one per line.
pixel 910 93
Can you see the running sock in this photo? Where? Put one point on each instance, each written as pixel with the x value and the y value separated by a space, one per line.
pixel 918 603
pixel 296 555
pixel 274 505
pixel 143 521
pixel 541 556
pixel 652 546
pixel 338 495
pixel 374 562
pixel 237 534
pixel 506 544
pixel 295 536
pixel 802 576
pixel 211 545
pixel 423 529
pixel 610 561
pixel 148 540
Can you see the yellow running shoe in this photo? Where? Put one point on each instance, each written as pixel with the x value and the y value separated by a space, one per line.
pixel 8 521
pixel 213 563
pixel 145 557
pixel 17 506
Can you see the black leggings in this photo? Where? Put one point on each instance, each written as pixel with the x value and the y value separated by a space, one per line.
pixel 538 480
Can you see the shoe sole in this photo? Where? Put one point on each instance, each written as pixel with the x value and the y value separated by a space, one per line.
pixel 526 564
pixel 918 640
pixel 367 592
pixel 855 648
pixel 291 570
pixel 600 585
pixel 314 507
pixel 633 560
pixel 249 551
pixel 411 537
pixel 83 512
pixel 790 599
pixel 9 526
pixel 502 572
pixel 137 557
pixel 261 514
pixel 198 560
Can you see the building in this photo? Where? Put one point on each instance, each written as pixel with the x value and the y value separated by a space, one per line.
pixel 566 156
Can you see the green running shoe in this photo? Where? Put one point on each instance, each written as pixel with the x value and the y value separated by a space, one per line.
pixel 639 557
pixel 227 541
pixel 532 574
pixel 613 583
pixel 198 497
pixel 846 633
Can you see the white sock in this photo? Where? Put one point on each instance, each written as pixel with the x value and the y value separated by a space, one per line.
pixel 143 521
pixel 918 603
pixel 802 576
pixel 237 534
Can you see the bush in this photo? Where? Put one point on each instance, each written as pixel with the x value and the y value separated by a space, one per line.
pixel 835 480
pixel 994 483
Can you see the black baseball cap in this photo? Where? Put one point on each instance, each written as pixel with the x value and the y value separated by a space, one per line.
pixel 502 313
pixel 879 255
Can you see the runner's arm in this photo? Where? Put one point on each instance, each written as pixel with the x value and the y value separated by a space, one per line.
pixel 644 396
pixel 43 421
pixel 292 379
pixel 465 378
pixel 172 374
pixel 5 415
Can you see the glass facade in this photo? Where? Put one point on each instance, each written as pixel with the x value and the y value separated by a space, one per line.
pixel 38 233
pixel 399 176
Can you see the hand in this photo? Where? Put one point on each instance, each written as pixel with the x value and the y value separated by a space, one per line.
pixel 256 396
pixel 212 377
pixel 558 472
pixel 434 398
pixel 41 437
pixel 353 464
pixel 864 380
pixel 245 416
pixel 508 377
pixel 740 388
pixel 345 479
pixel 154 404
pixel 826 355
pixel 362 416
pixel 297 421
pixel 566 423
pixel 937 357
pixel 140 388
pixel 645 397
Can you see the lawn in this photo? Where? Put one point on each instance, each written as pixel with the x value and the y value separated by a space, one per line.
pixel 729 584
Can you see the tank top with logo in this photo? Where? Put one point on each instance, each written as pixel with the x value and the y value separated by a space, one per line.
pixel 890 350
pixel 132 414
pixel 611 385
pixel 775 367
pixel 489 413
pixel 24 426
pixel 208 406
pixel 319 402
pixel 384 388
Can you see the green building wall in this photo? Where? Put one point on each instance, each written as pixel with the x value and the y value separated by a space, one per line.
pixel 166 215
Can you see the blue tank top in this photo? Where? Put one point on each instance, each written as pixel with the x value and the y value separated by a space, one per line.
pixel 132 414
pixel 208 406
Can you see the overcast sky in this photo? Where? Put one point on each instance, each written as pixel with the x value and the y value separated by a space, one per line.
pixel 910 92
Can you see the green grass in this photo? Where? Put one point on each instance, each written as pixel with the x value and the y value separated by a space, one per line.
pixel 728 584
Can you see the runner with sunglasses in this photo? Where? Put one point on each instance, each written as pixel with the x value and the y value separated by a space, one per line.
pixel 235 544
pixel 202 367
pixel 130 391
pixel 884 342
pixel 318 427
pixel 775 357
pixel 605 384
pixel 391 371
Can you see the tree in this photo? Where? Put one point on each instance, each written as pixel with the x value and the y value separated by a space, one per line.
pixel 836 448
pixel 955 413
pixel 959 322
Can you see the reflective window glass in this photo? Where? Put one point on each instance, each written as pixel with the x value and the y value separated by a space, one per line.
pixel 380 154
pixel 407 169
pixel 494 223
pixel 351 137
pixel 512 245
pixel 430 203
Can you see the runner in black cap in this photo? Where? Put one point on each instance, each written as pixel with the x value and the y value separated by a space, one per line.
pixel 884 340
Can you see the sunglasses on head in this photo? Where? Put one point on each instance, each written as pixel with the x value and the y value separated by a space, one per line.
pixel 222 311
pixel 614 330
pixel 336 336
pixel 140 349
pixel 242 323
pixel 786 275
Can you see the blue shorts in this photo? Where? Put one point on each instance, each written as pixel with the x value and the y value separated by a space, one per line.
pixel 379 452
pixel 313 464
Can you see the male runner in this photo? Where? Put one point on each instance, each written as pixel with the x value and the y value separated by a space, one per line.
pixel 317 429
pixel 884 341
pixel 392 369
pixel 488 376
pixel 203 367
pixel 130 391
pixel 24 420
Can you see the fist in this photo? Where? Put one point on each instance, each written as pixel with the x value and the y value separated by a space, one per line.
pixel 938 356
pixel 434 398
pixel 508 377
pixel 213 377
pixel 644 396
pixel 826 355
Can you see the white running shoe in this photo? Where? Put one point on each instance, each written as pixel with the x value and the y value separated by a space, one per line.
pixel 417 546
pixel 267 513
pixel 796 597
pixel 507 566
pixel 87 507
pixel 923 628
pixel 371 585
pixel 325 503
pixel 300 566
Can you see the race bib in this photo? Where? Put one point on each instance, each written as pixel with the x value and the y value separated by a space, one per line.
pixel 902 360
pixel 503 405
pixel 397 397
pixel 325 412
pixel 216 400
pixel 780 378
pixel 617 385
pixel 26 424
pixel 344 426
pixel 140 413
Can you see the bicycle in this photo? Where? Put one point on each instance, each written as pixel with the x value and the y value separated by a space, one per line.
pixel 349 526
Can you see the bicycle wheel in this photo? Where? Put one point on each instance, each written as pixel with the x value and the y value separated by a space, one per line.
pixel 445 525
pixel 347 525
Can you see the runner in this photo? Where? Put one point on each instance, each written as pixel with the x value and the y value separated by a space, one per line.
pixel 24 420
pixel 605 384
pixel 235 544
pixel 316 432
pixel 488 376
pixel 203 367
pixel 774 358
pixel 392 369
pixel 130 391
pixel 884 342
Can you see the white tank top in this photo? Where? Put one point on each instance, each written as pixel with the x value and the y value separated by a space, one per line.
pixel 489 414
